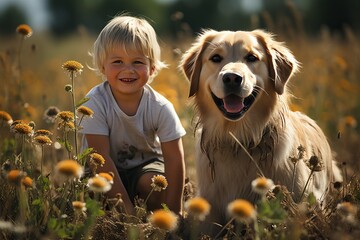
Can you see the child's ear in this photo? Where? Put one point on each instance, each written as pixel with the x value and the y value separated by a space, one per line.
pixel 152 70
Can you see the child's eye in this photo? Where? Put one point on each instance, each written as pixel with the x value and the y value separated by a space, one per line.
pixel 138 62
pixel 117 61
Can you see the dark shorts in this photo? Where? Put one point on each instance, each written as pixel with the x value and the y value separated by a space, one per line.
pixel 130 177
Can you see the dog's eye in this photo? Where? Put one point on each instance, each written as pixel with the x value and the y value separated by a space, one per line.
pixel 251 58
pixel 216 58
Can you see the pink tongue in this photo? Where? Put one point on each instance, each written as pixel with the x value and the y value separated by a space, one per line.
pixel 233 104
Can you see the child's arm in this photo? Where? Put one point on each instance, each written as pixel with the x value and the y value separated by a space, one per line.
pixel 101 144
pixel 173 153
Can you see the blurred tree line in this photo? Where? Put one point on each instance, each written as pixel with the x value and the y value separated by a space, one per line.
pixel 174 16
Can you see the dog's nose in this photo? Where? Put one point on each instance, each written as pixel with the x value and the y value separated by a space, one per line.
pixel 232 80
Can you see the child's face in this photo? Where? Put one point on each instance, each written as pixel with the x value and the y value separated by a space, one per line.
pixel 127 71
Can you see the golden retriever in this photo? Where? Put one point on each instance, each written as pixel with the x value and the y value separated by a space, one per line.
pixel 238 83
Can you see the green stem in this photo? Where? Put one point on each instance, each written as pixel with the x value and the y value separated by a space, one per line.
pixel 74 111
pixel 148 196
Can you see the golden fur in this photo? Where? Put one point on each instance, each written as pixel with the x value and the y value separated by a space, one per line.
pixel 238 83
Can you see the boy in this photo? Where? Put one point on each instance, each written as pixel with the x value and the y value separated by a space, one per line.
pixel 134 128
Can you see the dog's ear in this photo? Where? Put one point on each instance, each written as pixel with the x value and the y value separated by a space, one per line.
pixel 191 60
pixel 281 62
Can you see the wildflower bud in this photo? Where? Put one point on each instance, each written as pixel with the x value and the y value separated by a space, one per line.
pixel 314 161
pixel 68 88
pixel 337 185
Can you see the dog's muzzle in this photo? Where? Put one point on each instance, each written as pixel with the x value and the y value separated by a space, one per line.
pixel 233 106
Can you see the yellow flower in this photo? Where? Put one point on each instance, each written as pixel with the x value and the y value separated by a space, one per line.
pixel 242 210
pixel 97 159
pixel 163 219
pixel 66 116
pixel 198 207
pixel 4 116
pixel 79 206
pixel 70 168
pixel 262 185
pixel 108 176
pixel 43 132
pixel 15 176
pixel 159 183
pixel 99 184
pixel 24 30
pixel 42 140
pixel 67 126
pixel 27 182
pixel 85 111
pixel 72 66
pixel 22 128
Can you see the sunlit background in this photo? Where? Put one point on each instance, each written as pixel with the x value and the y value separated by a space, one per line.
pixel 322 34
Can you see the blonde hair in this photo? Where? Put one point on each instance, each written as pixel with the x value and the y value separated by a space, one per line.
pixel 128 32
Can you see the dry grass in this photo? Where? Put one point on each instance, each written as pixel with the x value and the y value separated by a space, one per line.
pixel 32 80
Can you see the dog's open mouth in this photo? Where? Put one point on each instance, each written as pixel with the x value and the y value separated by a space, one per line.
pixel 233 106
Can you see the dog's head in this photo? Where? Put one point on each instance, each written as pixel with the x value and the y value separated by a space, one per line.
pixel 233 70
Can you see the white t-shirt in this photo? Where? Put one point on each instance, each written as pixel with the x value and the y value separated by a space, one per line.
pixel 133 139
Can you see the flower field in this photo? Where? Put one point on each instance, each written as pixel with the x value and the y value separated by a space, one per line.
pixel 45 192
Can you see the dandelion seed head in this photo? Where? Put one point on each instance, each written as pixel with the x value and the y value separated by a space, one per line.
pixel 85 111
pixel 99 184
pixel 42 140
pixel 70 168
pixel 163 219
pixel 159 183
pixel 97 159
pixel 198 207
pixel 242 210
pixel 262 185
pixel 25 30
pixel 6 117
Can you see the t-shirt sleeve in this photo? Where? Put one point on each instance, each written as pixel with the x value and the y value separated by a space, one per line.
pixel 169 127
pixel 97 124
